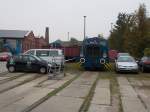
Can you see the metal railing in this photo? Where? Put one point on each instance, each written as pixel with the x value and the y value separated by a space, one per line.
pixel 56 69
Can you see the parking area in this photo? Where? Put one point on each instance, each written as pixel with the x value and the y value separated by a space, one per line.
pixel 3 67
pixel 78 91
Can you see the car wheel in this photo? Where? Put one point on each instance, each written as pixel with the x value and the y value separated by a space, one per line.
pixel 117 72
pixel 43 70
pixel 11 69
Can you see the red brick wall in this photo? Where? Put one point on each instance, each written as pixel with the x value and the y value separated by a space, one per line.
pixel 32 42
pixel 28 42
pixel 40 42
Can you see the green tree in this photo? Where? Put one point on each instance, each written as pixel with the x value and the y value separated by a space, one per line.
pixel 73 41
pixel 147 52
pixel 116 39
pixel 142 31
pixel 131 32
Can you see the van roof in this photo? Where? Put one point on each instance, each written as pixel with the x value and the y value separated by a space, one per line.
pixel 46 49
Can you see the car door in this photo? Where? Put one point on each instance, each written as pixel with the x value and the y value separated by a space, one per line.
pixel 20 63
pixel 34 63
pixel 26 64
pixel 141 62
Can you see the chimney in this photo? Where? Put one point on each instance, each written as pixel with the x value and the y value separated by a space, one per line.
pixel 47 35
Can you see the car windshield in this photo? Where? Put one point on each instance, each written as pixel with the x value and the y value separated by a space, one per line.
pixel 125 59
pixel 42 53
pixel 123 54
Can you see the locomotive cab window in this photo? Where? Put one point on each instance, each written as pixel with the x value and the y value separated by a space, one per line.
pixel 93 51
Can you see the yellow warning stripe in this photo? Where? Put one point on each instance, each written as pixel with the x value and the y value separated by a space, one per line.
pixel 108 66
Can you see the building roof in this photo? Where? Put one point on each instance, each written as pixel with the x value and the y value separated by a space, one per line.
pixel 66 43
pixel 13 33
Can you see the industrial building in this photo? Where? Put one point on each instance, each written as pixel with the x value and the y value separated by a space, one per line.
pixel 19 41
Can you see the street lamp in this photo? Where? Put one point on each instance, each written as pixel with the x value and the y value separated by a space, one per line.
pixel 83 50
pixel 68 36
pixel 84 27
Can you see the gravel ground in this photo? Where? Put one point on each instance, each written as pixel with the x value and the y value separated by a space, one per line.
pixel 3 67
pixel 112 92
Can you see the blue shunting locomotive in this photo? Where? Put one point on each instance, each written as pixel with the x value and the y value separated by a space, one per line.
pixel 94 53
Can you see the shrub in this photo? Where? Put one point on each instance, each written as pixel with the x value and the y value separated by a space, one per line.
pixel 147 52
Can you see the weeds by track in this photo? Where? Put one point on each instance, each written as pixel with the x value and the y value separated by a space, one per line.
pixel 49 95
pixel 142 101
pixel 21 83
pixel 12 78
pixel 114 90
pixel 85 106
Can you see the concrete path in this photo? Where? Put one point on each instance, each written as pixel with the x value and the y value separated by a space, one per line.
pixel 29 93
pixel 70 98
pixel 3 67
pixel 129 98
pixel 15 82
pixel 16 94
pixel 144 94
pixel 142 88
pixel 101 100
pixel 8 76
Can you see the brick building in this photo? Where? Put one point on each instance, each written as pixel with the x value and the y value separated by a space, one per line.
pixel 40 42
pixel 20 40
pixel 28 42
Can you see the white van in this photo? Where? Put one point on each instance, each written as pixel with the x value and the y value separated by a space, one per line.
pixel 50 55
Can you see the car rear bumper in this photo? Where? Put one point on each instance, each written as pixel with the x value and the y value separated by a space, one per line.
pixel 127 70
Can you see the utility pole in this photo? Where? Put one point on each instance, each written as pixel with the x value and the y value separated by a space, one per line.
pixel 111 27
pixel 68 36
pixel 83 50
pixel 84 27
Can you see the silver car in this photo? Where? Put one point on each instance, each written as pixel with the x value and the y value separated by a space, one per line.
pixel 126 64
pixel 122 54
pixel 53 56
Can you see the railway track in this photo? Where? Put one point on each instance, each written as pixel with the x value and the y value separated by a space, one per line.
pixel 16 81
pixel 67 93
pixel 32 92
pixel 3 73
pixel 10 76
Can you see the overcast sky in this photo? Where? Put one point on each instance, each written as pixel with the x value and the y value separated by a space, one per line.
pixel 63 16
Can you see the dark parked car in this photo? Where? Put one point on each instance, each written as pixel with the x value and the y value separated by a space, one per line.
pixel 27 63
pixel 144 64
pixel 4 56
